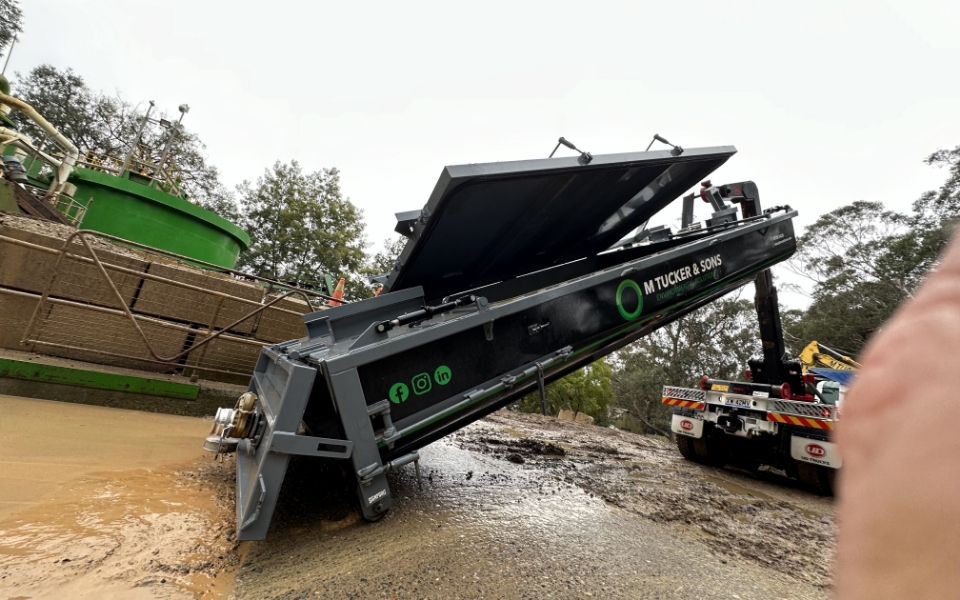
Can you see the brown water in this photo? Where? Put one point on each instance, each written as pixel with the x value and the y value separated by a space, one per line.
pixel 107 503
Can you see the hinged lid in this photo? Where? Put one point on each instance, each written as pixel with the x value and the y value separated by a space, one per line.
pixel 491 222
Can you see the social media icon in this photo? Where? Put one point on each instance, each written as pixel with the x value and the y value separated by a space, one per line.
pixel 422 384
pixel 442 375
pixel 399 392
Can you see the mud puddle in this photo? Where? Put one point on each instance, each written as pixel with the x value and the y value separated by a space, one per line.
pixel 107 503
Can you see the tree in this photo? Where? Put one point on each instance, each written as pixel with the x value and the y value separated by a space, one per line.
pixel 109 125
pixel 11 22
pixel 63 98
pixel 384 261
pixel 586 390
pixel 716 340
pixel 936 208
pixel 302 227
pixel 300 224
pixel 856 258
pixel 864 260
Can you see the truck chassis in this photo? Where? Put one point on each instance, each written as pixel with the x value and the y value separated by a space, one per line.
pixel 716 427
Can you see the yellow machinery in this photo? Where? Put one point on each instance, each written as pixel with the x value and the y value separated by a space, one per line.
pixel 816 355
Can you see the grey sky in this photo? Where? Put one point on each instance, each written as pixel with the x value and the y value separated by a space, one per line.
pixel 827 102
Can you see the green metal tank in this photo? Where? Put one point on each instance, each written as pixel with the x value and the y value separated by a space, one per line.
pixel 134 211
pixel 134 199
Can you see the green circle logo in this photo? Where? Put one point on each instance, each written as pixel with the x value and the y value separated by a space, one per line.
pixel 631 284
pixel 442 375
pixel 399 392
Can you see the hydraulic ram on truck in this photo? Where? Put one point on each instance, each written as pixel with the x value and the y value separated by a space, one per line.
pixel 780 418
pixel 512 276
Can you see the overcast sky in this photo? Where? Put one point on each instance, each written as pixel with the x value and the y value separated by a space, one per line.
pixel 827 102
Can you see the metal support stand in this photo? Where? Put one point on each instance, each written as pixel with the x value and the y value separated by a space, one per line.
pixel 543 392
pixel 133 145
pixel 416 465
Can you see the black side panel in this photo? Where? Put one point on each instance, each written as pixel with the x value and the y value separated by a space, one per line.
pixel 320 416
pixel 446 425
pixel 419 379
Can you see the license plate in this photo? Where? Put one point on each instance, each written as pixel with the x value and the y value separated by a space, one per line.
pixel 744 402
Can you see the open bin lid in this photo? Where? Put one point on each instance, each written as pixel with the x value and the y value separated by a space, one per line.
pixel 490 222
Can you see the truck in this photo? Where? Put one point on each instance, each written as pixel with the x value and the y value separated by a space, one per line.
pixel 783 417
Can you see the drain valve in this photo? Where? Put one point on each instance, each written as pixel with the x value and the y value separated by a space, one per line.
pixel 230 425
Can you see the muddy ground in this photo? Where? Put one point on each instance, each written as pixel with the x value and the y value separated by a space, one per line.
pixel 763 517
pixel 521 506
pixel 514 506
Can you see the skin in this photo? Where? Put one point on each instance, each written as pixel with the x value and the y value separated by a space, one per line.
pixel 899 436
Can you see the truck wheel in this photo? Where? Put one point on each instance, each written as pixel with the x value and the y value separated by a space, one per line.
pixel 685 446
pixel 702 449
pixel 711 450
pixel 819 480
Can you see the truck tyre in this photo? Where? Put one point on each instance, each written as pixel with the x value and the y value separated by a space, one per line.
pixel 711 448
pixel 702 447
pixel 685 446
pixel 819 480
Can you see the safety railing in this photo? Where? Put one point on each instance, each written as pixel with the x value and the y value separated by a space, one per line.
pixel 166 176
pixel 72 210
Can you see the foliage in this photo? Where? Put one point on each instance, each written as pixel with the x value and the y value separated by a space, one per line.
pixel 64 99
pixel 383 262
pixel 300 224
pixel 109 125
pixel 302 227
pixel 858 283
pixel 11 22
pixel 934 208
pixel 864 260
pixel 587 390
pixel 716 340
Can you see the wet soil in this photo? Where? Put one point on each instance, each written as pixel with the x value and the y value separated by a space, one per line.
pixel 521 506
pixel 763 516
pixel 107 503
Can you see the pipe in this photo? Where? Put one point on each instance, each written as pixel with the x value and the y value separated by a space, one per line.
pixel 67 164
pixel 12 136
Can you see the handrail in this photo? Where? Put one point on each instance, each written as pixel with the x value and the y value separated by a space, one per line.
pixel 66 165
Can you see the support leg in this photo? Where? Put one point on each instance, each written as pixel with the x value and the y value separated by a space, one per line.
pixel 372 488
pixel 543 391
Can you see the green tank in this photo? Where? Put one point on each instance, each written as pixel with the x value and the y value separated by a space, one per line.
pixel 134 199
pixel 134 211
